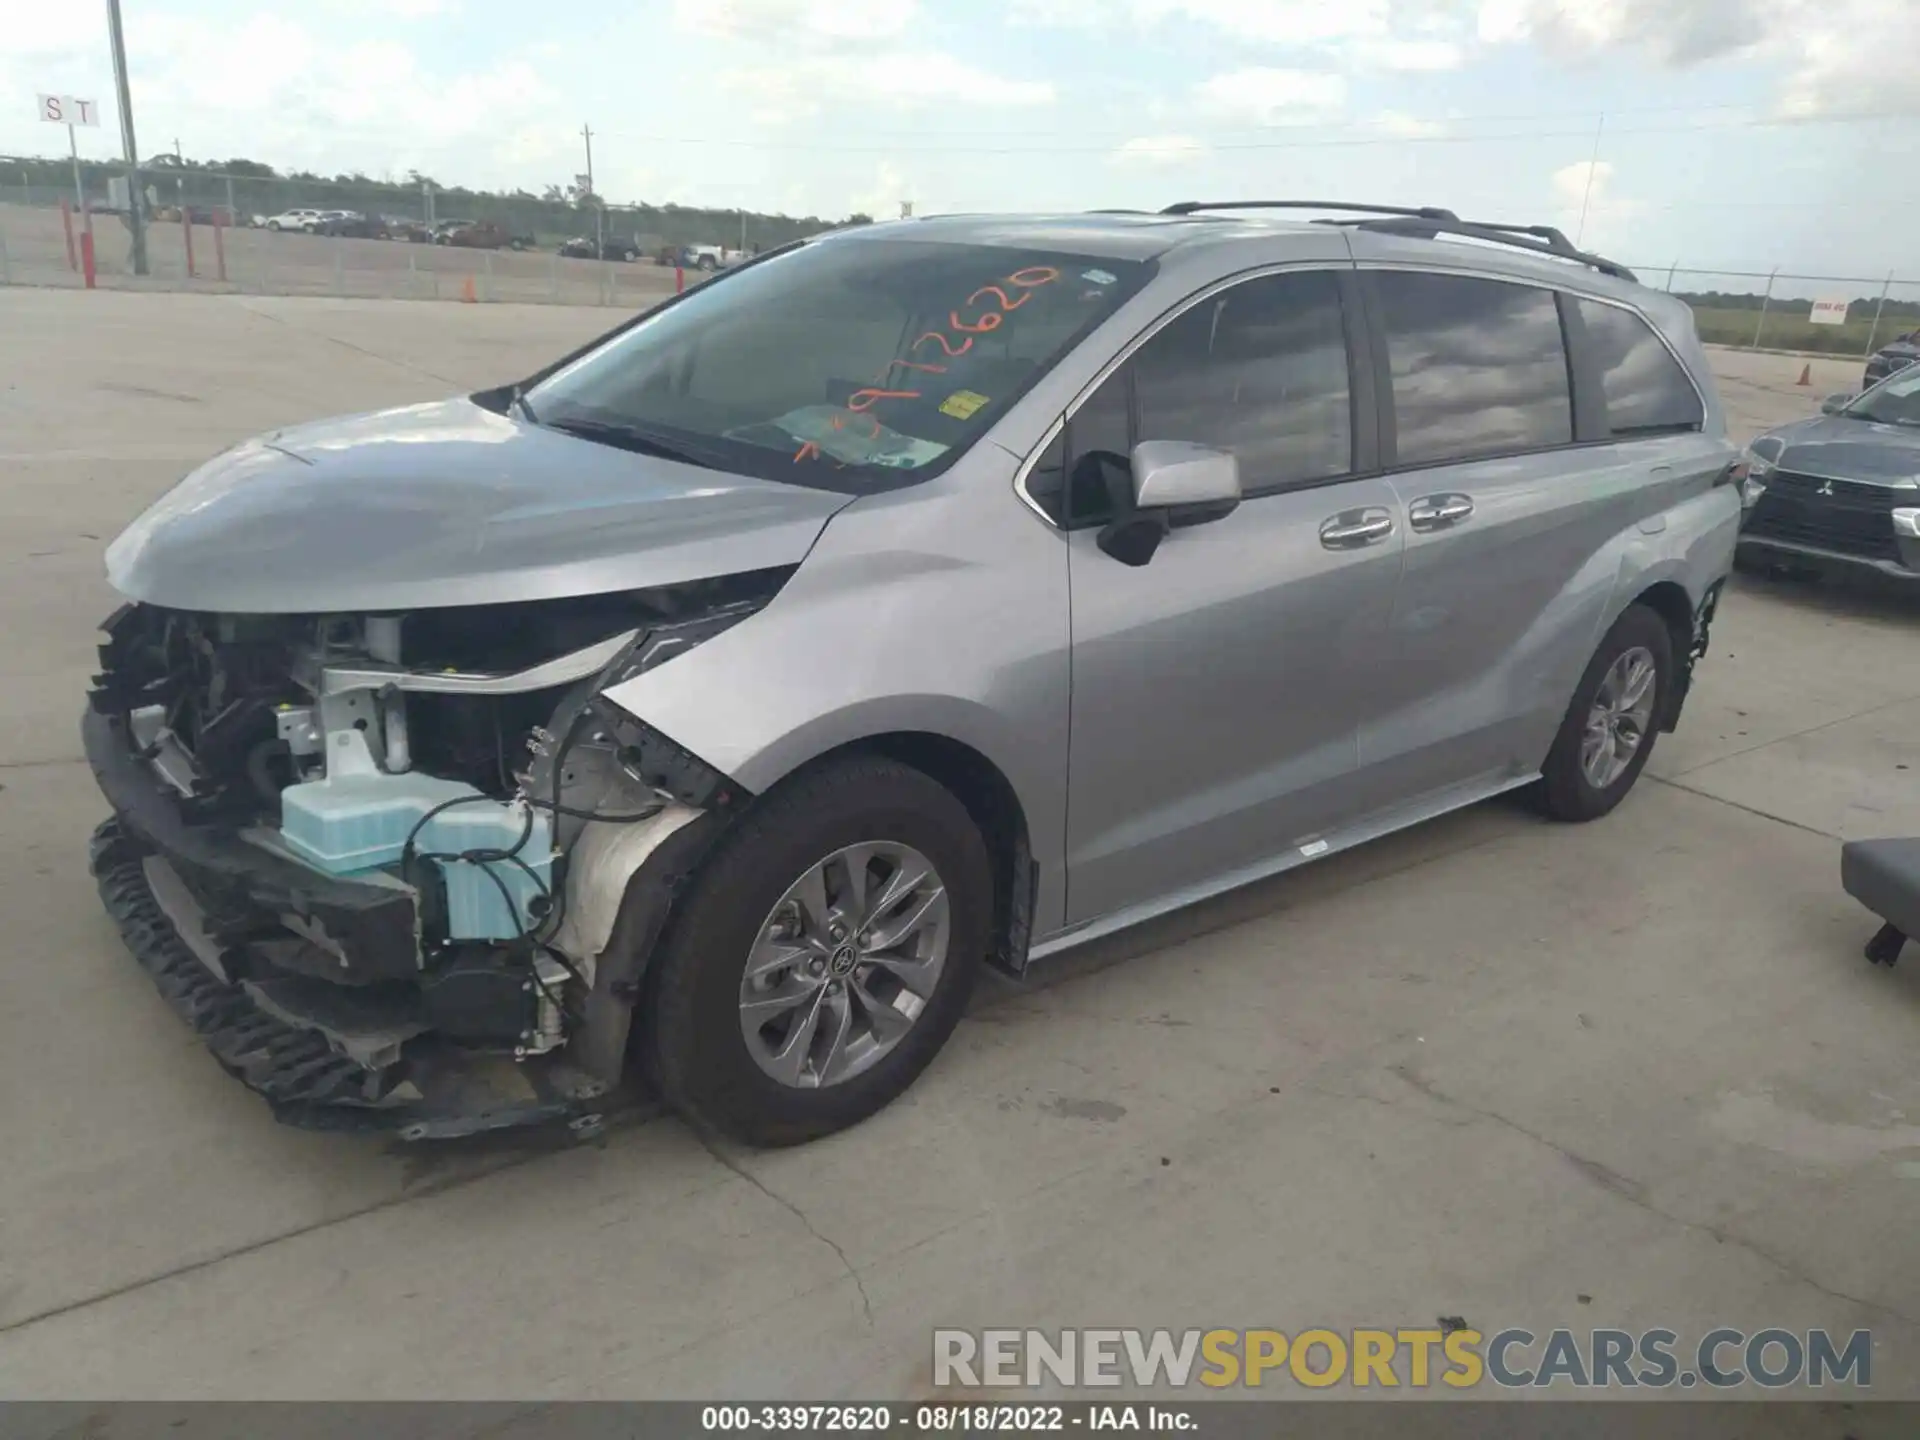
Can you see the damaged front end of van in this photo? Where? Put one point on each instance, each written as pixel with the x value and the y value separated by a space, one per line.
pixel 378 835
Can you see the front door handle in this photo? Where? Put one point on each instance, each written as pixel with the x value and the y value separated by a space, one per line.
pixel 1351 529
pixel 1437 512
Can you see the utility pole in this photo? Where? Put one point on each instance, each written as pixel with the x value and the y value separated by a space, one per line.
pixel 136 201
pixel 599 210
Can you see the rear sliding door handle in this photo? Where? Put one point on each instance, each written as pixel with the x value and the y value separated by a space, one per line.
pixel 1352 529
pixel 1437 512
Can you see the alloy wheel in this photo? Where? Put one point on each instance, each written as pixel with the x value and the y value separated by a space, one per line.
pixel 844 964
pixel 1622 713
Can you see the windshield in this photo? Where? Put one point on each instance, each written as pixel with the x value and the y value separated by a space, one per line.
pixel 1891 402
pixel 853 365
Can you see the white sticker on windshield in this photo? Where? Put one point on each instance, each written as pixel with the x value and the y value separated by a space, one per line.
pixel 1098 277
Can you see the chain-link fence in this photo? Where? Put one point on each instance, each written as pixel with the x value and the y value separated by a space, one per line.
pixel 238 230
pixel 1785 310
pixel 219 230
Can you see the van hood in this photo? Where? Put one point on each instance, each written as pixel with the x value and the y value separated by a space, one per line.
pixel 448 504
pixel 1835 448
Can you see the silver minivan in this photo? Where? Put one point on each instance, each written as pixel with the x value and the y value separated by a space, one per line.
pixel 710 705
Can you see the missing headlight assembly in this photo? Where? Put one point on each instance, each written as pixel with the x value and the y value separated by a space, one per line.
pixel 392 851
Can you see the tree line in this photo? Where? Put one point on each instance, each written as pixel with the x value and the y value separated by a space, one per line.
pixel 254 188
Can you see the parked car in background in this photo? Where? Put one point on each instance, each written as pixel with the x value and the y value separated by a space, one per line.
pixel 1840 491
pixel 582 247
pixel 1240 543
pixel 483 235
pixel 296 219
pixel 353 224
pixel 198 215
pixel 440 229
pixel 401 227
pixel 709 257
pixel 1891 359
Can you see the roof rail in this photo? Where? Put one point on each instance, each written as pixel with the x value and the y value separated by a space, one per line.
pixel 1539 239
pixel 1194 207
pixel 1426 222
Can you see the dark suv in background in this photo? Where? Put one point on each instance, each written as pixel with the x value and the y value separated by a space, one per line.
pixel 484 235
pixel 1904 351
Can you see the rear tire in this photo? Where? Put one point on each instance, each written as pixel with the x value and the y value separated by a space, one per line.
pixel 1588 773
pixel 693 1038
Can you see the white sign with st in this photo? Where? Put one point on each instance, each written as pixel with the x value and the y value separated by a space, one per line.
pixel 69 110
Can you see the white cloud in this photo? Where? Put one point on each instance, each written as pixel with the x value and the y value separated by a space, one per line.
pixel 1407 127
pixel 883 197
pixel 1262 95
pixel 1838 56
pixel 270 88
pixel 1064 14
pixel 1573 183
pixel 397 9
pixel 1159 151
pixel 901 80
pixel 1500 22
pixel 781 21
pixel 1426 55
pixel 1589 207
pixel 1276 22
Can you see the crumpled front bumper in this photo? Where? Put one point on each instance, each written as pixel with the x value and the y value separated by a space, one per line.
pixel 301 1043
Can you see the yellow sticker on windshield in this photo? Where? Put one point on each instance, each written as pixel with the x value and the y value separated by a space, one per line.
pixel 962 404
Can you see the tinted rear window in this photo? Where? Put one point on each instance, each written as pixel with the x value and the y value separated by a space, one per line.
pixel 1647 391
pixel 1479 367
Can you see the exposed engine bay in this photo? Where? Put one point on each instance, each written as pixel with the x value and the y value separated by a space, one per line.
pixel 403 831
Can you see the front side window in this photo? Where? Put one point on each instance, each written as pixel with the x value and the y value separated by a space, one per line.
pixel 851 364
pixel 1479 367
pixel 1647 391
pixel 1260 370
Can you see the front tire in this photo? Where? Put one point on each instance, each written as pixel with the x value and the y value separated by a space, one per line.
pixel 1608 733
pixel 823 956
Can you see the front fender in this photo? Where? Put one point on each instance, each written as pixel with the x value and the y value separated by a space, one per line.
pixel 939 609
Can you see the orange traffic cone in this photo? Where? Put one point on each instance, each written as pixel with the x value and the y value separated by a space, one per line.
pixel 1806 374
pixel 466 291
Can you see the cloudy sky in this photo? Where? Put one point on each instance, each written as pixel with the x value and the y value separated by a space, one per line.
pixel 1736 134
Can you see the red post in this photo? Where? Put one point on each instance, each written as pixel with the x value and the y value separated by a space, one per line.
pixel 86 244
pixel 66 220
pixel 679 280
pixel 219 248
pixel 186 229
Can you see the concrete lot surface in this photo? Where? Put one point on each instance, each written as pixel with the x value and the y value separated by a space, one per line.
pixel 1630 1074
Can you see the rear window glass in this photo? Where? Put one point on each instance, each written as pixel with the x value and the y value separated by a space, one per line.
pixel 1479 367
pixel 1647 390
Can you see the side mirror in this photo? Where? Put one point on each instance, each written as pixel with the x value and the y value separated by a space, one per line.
pixel 1834 404
pixel 1175 485
pixel 1171 474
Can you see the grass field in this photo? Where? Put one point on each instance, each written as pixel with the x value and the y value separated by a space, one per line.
pixel 1789 329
